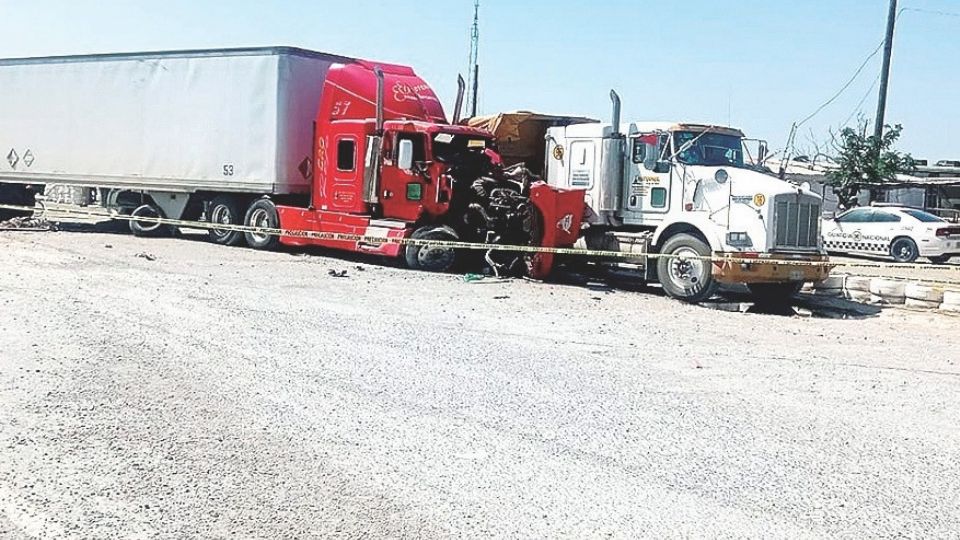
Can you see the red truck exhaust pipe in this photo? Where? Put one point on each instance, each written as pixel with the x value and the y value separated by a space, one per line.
pixel 379 74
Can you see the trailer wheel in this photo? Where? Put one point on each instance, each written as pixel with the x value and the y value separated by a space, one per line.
pixel 690 280
pixel 263 214
pixel 225 210
pixel 774 293
pixel 147 228
pixel 431 258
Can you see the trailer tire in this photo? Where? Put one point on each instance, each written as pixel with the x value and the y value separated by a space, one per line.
pixel 145 229
pixel 774 293
pixel 262 213
pixel 431 258
pixel 687 280
pixel 225 209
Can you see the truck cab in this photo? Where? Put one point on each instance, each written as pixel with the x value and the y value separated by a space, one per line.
pixel 689 199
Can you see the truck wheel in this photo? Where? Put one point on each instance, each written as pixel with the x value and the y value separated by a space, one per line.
pixel 263 214
pixel 690 280
pixel 147 228
pixel 942 259
pixel 226 210
pixel 904 250
pixel 431 258
pixel 774 293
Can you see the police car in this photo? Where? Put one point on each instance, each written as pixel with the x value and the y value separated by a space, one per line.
pixel 894 231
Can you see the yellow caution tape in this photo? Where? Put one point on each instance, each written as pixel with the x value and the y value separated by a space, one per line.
pixel 43 210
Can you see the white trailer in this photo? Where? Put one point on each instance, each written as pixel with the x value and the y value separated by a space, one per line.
pixel 164 126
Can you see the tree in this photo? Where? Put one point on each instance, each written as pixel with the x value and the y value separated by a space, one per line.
pixel 863 160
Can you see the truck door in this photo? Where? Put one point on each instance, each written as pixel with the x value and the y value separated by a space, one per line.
pixel 402 192
pixel 345 188
pixel 646 191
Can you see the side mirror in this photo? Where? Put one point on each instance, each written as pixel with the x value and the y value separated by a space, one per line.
pixel 405 155
pixel 662 166
pixel 762 152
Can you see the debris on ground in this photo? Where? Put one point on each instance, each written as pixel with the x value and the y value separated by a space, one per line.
pixel 504 297
pixel 147 256
pixel 337 273
pixel 473 277
pixel 29 223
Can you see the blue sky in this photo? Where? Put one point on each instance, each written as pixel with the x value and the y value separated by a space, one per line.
pixel 761 64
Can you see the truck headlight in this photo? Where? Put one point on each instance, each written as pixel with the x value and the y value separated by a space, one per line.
pixel 721 176
pixel 739 239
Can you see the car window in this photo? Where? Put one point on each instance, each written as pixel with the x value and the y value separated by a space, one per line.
pixel 857 215
pixel 925 217
pixel 878 216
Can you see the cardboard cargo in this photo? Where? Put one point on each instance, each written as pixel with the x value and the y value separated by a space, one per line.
pixel 520 134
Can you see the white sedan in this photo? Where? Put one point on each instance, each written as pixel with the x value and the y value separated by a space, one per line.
pixel 893 231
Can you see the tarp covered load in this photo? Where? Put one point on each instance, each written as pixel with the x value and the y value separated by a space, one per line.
pixel 520 134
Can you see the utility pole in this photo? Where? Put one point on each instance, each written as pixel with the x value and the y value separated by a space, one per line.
pixel 885 71
pixel 474 71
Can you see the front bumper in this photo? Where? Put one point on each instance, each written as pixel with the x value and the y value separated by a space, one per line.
pixel 770 268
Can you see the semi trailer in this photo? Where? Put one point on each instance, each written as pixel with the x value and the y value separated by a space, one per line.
pixel 273 138
pixel 685 202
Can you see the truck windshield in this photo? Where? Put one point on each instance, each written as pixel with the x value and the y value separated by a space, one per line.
pixel 709 148
pixel 448 147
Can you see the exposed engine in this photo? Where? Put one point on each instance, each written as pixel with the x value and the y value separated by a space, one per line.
pixel 492 205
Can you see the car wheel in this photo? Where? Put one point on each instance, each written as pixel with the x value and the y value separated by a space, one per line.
pixel 904 250
pixel 943 259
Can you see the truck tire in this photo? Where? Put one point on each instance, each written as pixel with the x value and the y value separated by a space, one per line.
pixel 146 229
pixel 688 280
pixel 774 293
pixel 942 259
pixel 262 213
pixel 225 209
pixel 904 250
pixel 431 258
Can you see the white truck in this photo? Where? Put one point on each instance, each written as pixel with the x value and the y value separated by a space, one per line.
pixel 685 189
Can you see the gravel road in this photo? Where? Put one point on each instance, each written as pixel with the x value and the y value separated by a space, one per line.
pixel 215 392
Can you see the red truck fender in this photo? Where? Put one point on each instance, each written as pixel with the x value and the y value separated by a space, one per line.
pixel 562 211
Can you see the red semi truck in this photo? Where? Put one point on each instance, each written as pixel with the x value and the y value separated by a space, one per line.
pixel 274 138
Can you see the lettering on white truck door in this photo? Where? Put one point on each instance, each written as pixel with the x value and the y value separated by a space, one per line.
pixel 646 191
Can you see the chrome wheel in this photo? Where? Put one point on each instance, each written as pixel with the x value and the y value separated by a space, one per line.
pixel 260 219
pixel 686 272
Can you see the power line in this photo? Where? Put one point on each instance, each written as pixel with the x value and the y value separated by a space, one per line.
pixel 859 107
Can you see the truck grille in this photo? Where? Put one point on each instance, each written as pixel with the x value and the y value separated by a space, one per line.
pixel 797 222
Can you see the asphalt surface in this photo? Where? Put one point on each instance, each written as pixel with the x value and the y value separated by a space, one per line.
pixel 172 388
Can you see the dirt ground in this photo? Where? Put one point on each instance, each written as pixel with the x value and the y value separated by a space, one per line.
pixel 158 388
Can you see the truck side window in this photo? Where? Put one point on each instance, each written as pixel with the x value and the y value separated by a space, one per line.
pixel 346 154
pixel 658 197
pixel 419 145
